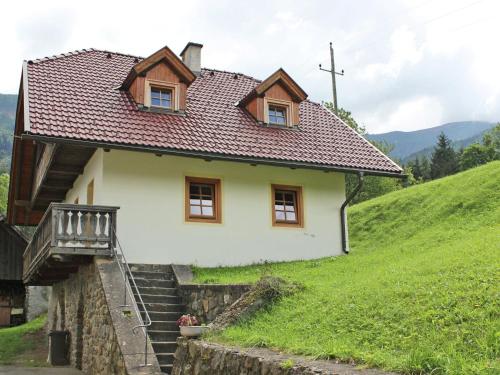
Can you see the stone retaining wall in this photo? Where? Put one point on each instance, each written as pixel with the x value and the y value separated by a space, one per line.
pixel 206 301
pixel 195 357
pixel 89 304
pixel 79 306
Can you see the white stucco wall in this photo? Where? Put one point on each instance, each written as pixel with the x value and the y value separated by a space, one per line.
pixel 150 193
pixel 92 171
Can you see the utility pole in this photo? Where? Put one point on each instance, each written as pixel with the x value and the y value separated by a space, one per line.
pixel 333 73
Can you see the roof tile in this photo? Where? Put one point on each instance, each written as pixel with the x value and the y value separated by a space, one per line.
pixel 75 95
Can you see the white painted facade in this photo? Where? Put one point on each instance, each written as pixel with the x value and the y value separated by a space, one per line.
pixel 151 223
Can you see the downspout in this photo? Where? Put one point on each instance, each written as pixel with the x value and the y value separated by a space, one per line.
pixel 343 225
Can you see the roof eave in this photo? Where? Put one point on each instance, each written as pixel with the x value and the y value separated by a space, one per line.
pixel 216 156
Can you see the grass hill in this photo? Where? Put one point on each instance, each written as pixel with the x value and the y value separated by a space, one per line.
pixel 408 143
pixel 419 293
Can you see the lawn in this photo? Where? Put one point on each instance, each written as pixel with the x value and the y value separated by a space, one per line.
pixel 24 344
pixel 418 294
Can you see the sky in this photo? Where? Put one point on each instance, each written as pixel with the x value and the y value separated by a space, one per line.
pixel 409 64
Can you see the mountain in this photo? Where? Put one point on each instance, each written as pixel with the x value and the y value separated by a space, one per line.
pixel 457 145
pixel 421 141
pixel 7 117
pixel 418 294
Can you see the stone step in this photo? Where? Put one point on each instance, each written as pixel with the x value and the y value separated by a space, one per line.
pixel 159 325
pixel 163 335
pixel 164 346
pixel 158 298
pixel 165 358
pixel 162 307
pixel 163 315
pixel 160 283
pixel 153 275
pixel 167 369
pixel 163 268
pixel 158 291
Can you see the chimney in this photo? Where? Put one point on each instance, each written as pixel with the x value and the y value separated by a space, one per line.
pixel 191 56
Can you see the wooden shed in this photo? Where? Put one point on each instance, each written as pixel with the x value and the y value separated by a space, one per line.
pixel 12 291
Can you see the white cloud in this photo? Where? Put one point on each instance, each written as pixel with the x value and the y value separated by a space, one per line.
pixel 399 56
pixel 417 113
pixel 404 51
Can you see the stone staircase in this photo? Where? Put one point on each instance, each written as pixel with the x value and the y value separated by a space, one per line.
pixel 158 290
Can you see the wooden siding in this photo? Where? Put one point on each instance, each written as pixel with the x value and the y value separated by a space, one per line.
pixel 161 72
pixel 256 108
pixel 276 92
pixel 12 246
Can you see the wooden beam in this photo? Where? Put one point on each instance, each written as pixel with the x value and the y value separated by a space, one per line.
pixel 51 196
pixel 46 160
pixel 66 170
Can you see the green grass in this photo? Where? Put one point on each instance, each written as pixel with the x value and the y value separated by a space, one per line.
pixel 418 294
pixel 15 341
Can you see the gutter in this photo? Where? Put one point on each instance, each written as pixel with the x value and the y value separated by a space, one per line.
pixel 209 156
pixel 343 221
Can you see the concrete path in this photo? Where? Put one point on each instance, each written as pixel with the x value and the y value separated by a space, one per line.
pixel 12 370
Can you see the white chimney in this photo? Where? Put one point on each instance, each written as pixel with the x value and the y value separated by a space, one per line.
pixel 191 56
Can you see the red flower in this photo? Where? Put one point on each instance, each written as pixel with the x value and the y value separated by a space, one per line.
pixel 187 320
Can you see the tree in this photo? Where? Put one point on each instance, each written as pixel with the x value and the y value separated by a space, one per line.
pixel 475 155
pixel 425 168
pixel 482 153
pixel 4 190
pixel 415 167
pixel 444 159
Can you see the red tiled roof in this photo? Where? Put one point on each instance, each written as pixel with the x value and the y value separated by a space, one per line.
pixel 76 96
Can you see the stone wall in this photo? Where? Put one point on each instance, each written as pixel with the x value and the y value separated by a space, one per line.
pixel 195 357
pixel 90 305
pixel 79 306
pixel 206 301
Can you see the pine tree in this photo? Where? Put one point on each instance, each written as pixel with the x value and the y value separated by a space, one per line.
pixel 416 169
pixel 425 168
pixel 444 159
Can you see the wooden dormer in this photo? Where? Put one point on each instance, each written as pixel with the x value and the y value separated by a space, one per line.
pixel 160 81
pixel 275 101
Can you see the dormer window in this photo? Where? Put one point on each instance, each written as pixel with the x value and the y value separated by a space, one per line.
pixel 162 98
pixel 277 115
pixel 275 101
pixel 160 81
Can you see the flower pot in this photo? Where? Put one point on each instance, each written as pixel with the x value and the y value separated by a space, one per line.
pixel 192 331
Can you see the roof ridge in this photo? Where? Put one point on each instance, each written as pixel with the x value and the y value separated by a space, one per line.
pixel 79 52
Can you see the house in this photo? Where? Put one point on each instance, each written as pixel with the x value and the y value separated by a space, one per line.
pixel 12 290
pixel 170 164
pixel 208 167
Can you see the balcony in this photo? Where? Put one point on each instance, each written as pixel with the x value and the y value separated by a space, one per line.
pixel 68 235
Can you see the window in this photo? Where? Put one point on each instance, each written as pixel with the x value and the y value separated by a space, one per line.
pixel 77 201
pixel 203 200
pixel 161 97
pixel 287 206
pixel 90 193
pixel 277 115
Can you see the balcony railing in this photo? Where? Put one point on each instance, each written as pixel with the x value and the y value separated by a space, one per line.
pixel 66 231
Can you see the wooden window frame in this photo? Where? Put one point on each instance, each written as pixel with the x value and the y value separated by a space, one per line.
pixel 299 209
pixel 217 217
pixel 280 104
pixel 174 87
pixel 163 90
